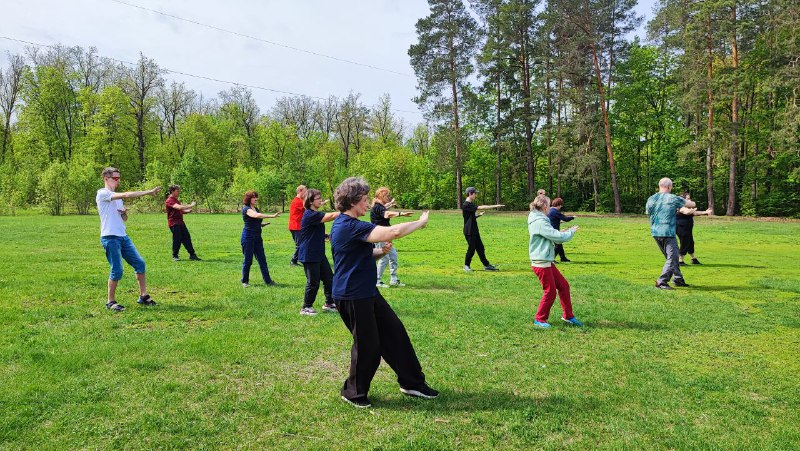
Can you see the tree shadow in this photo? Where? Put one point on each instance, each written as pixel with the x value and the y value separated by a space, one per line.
pixel 485 401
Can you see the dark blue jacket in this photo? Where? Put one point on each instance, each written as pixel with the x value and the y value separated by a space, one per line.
pixel 556 217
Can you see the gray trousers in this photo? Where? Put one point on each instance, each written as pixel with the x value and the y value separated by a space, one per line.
pixel 669 247
pixel 391 260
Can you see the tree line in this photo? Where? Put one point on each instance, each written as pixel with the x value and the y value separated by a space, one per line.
pixel 518 95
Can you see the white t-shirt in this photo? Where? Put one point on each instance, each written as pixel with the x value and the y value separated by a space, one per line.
pixel 111 222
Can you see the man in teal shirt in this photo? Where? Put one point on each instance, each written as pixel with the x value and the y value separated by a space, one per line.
pixel 662 208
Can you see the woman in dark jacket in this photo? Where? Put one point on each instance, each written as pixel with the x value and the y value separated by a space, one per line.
pixel 252 244
pixel 311 252
pixel 556 217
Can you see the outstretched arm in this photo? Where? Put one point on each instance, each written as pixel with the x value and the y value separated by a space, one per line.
pixel 488 207
pixel 133 194
pixel 380 234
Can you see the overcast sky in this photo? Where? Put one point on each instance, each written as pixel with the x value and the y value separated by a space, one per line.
pixel 372 32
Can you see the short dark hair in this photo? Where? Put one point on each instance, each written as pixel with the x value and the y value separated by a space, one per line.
pixel 172 188
pixel 310 195
pixel 248 196
pixel 109 171
pixel 350 192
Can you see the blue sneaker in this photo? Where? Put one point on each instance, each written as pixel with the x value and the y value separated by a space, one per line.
pixel 574 321
pixel 541 325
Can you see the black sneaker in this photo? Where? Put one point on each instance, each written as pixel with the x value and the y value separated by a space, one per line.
pixel 293 263
pixel 361 402
pixel 680 283
pixel 696 261
pixel 663 286
pixel 682 263
pixel 195 258
pixel 146 300
pixel 491 268
pixel 424 392
pixel 114 306
pixel 564 260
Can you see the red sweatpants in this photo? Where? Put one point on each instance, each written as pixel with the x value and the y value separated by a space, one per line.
pixel 552 282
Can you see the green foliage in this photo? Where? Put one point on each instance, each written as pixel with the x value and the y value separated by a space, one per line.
pixel 53 188
pixel 82 184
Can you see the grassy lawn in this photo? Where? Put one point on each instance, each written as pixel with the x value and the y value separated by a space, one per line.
pixel 215 365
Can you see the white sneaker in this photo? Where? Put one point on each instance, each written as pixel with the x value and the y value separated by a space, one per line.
pixel 381 285
pixel 309 311
pixel 397 283
pixel 246 285
pixel 467 268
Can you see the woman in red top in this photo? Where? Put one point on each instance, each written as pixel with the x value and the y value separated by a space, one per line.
pixel 296 210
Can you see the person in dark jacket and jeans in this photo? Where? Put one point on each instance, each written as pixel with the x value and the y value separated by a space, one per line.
pixel 556 217
pixel 471 232
pixel 252 244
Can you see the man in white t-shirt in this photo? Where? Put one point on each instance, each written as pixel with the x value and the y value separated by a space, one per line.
pixel 115 240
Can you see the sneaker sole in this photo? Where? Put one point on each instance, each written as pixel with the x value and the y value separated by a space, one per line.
pixel 308 314
pixel 356 405
pixel 416 394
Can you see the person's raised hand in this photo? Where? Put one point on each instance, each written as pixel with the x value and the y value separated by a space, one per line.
pixel 423 218
pixel 406 213
pixel 574 228
pixel 387 247
pixel 193 204
pixel 154 191
pixel 710 212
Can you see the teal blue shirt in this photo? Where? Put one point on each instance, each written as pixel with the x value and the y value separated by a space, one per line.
pixel 662 209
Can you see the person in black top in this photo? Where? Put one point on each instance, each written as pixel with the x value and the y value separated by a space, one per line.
pixel 556 217
pixel 378 334
pixel 684 229
pixel 471 232
pixel 252 244
pixel 379 215
pixel 311 252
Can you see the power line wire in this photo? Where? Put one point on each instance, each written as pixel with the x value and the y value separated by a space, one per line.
pixel 266 41
pixel 202 77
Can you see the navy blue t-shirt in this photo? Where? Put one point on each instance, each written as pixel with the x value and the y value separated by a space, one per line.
pixel 311 245
pixel 354 268
pixel 252 226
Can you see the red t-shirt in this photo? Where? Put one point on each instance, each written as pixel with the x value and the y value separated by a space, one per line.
pixel 174 216
pixel 296 210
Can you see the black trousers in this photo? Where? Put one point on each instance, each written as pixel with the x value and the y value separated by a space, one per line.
pixel 295 238
pixel 180 235
pixel 686 238
pixel 377 333
pixel 474 244
pixel 316 272
pixel 560 251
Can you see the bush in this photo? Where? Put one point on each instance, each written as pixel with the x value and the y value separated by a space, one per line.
pixel 82 184
pixel 53 186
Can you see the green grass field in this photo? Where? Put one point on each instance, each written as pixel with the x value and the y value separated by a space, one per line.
pixel 215 365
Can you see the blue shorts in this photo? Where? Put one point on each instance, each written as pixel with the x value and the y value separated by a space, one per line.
pixel 117 248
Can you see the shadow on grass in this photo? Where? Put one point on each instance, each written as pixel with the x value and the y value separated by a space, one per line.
pixel 579 262
pixel 189 308
pixel 726 265
pixel 492 400
pixel 696 287
pixel 628 325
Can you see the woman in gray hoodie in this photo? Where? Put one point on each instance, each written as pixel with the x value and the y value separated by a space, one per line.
pixel 541 247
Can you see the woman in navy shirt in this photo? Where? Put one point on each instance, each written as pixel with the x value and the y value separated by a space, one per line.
pixel 556 217
pixel 311 252
pixel 252 244
pixel 376 329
